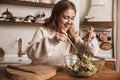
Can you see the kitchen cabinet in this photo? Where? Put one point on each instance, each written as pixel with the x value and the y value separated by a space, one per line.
pixel 105 27
pixel 24 3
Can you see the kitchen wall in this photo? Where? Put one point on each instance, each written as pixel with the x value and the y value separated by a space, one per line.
pixel 9 34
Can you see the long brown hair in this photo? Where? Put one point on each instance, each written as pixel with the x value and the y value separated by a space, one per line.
pixel 58 9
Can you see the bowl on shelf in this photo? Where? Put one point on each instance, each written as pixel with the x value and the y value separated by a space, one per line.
pixel 82 65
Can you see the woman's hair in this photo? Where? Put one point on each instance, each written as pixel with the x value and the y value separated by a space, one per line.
pixel 59 8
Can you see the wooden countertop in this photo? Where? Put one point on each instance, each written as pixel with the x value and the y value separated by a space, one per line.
pixel 105 74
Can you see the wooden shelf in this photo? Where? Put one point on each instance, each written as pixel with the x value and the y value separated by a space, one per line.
pixel 26 3
pixel 20 23
pixel 108 24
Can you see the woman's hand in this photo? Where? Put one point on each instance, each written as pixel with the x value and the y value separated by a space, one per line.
pixel 90 34
pixel 61 36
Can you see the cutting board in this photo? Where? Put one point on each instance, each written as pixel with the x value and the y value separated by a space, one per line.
pixel 43 72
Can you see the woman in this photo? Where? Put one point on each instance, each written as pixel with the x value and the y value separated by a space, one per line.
pixel 52 41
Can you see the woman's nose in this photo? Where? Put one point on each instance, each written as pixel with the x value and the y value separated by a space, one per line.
pixel 69 21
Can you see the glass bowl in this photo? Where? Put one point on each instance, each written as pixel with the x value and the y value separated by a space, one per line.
pixel 82 65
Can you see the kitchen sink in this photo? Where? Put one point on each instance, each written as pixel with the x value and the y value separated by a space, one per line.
pixel 14 60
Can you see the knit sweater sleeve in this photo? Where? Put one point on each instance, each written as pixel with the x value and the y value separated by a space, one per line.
pixel 38 48
pixel 92 45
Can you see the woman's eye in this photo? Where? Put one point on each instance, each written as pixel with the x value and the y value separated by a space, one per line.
pixel 72 18
pixel 65 17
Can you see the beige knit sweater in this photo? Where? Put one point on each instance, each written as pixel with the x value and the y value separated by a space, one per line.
pixel 43 49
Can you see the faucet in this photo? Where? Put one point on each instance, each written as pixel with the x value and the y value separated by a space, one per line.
pixel 20 52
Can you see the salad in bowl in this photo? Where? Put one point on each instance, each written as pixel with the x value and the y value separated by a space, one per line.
pixel 83 65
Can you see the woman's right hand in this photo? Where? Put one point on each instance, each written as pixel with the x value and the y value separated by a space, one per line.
pixel 61 36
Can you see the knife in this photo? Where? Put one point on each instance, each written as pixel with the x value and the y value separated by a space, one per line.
pixel 20 69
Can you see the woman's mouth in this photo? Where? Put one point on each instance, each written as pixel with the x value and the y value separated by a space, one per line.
pixel 66 27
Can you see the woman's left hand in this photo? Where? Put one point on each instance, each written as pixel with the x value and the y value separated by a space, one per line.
pixel 90 34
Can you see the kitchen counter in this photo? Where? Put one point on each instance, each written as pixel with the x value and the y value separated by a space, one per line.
pixel 62 74
pixel 105 74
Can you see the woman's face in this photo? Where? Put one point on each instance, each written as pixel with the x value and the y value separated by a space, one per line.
pixel 66 19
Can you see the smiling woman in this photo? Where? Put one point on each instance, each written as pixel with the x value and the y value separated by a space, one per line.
pixel 52 41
